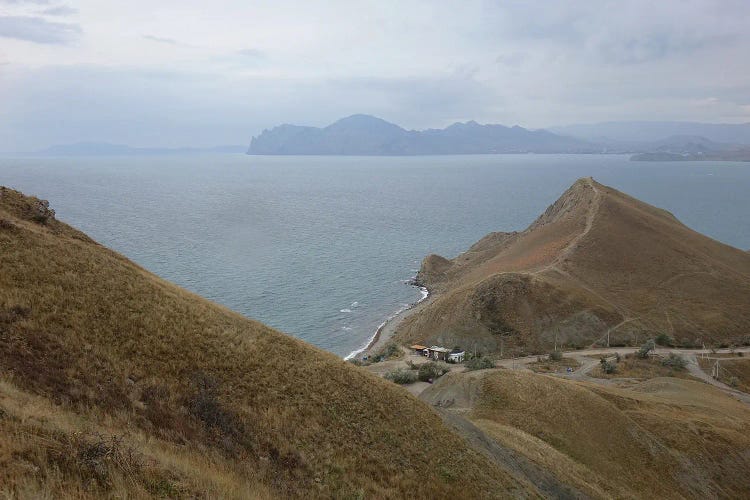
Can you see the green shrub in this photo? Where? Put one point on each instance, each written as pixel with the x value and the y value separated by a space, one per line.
pixel 390 350
pixel 607 366
pixel 665 340
pixel 555 356
pixel 401 376
pixel 430 371
pixel 645 349
pixel 674 361
pixel 479 364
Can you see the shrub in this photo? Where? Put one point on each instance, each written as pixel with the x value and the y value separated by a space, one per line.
pixel 607 366
pixel 734 382
pixel 618 357
pixel 479 364
pixel 401 376
pixel 645 349
pixel 430 371
pixel 390 350
pixel 665 340
pixel 674 361
pixel 555 356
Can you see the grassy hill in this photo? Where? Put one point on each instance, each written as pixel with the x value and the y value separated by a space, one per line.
pixel 113 381
pixel 596 262
pixel 660 438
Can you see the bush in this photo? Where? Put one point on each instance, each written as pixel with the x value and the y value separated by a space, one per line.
pixel 734 382
pixel 555 356
pixel 665 340
pixel 401 376
pixel 479 364
pixel 645 349
pixel 430 371
pixel 607 366
pixel 390 350
pixel 618 357
pixel 674 361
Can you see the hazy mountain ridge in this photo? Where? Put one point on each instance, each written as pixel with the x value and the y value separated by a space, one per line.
pixel 368 135
pixel 635 132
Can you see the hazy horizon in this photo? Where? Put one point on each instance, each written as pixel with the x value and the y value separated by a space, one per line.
pixel 186 75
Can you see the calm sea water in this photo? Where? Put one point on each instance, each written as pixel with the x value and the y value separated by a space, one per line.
pixel 320 247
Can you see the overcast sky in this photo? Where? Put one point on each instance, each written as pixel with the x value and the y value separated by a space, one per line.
pixel 199 73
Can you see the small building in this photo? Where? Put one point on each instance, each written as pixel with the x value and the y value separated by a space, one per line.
pixel 456 356
pixel 438 353
pixel 418 350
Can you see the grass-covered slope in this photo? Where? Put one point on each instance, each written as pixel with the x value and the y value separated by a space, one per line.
pixel 113 381
pixel 661 438
pixel 596 261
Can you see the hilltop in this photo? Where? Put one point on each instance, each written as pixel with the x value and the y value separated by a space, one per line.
pixel 368 135
pixel 115 381
pixel 597 266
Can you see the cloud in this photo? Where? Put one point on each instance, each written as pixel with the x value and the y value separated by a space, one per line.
pixel 253 53
pixel 161 39
pixel 59 10
pixel 38 30
pixel 18 2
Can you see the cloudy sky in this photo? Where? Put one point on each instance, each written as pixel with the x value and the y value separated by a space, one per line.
pixel 199 73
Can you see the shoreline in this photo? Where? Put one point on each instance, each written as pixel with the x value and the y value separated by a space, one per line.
pixel 387 328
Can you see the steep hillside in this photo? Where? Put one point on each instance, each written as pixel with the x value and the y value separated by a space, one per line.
pixel 596 263
pixel 661 438
pixel 113 381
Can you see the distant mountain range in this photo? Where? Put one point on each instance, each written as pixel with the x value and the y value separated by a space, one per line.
pixel 642 131
pixel 108 149
pixel 368 135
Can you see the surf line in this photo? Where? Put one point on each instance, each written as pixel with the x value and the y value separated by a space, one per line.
pixel 376 336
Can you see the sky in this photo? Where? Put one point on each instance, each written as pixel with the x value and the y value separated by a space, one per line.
pixel 194 73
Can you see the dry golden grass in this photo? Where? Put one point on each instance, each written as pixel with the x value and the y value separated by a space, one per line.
pixel 549 366
pixel 662 438
pixel 734 371
pixel 631 366
pixel 218 405
pixel 596 261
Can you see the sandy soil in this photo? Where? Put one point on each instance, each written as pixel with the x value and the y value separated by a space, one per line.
pixel 385 333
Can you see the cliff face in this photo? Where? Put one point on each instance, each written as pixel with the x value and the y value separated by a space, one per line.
pixel 597 262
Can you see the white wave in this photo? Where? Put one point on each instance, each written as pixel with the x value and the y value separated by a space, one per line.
pixel 425 293
pixel 346 328
pixel 346 310
pixel 354 304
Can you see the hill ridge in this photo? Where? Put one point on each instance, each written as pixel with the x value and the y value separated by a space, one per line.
pixel 596 264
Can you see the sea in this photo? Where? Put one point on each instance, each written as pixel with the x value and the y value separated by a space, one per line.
pixel 322 247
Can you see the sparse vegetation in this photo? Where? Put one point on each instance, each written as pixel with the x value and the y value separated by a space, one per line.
pixel 674 361
pixel 401 376
pixel 430 371
pixel 664 339
pixel 390 351
pixel 646 349
pixel 636 367
pixel 608 367
pixel 479 363
pixel 555 356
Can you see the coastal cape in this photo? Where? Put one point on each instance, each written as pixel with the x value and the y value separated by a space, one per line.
pixel 597 267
